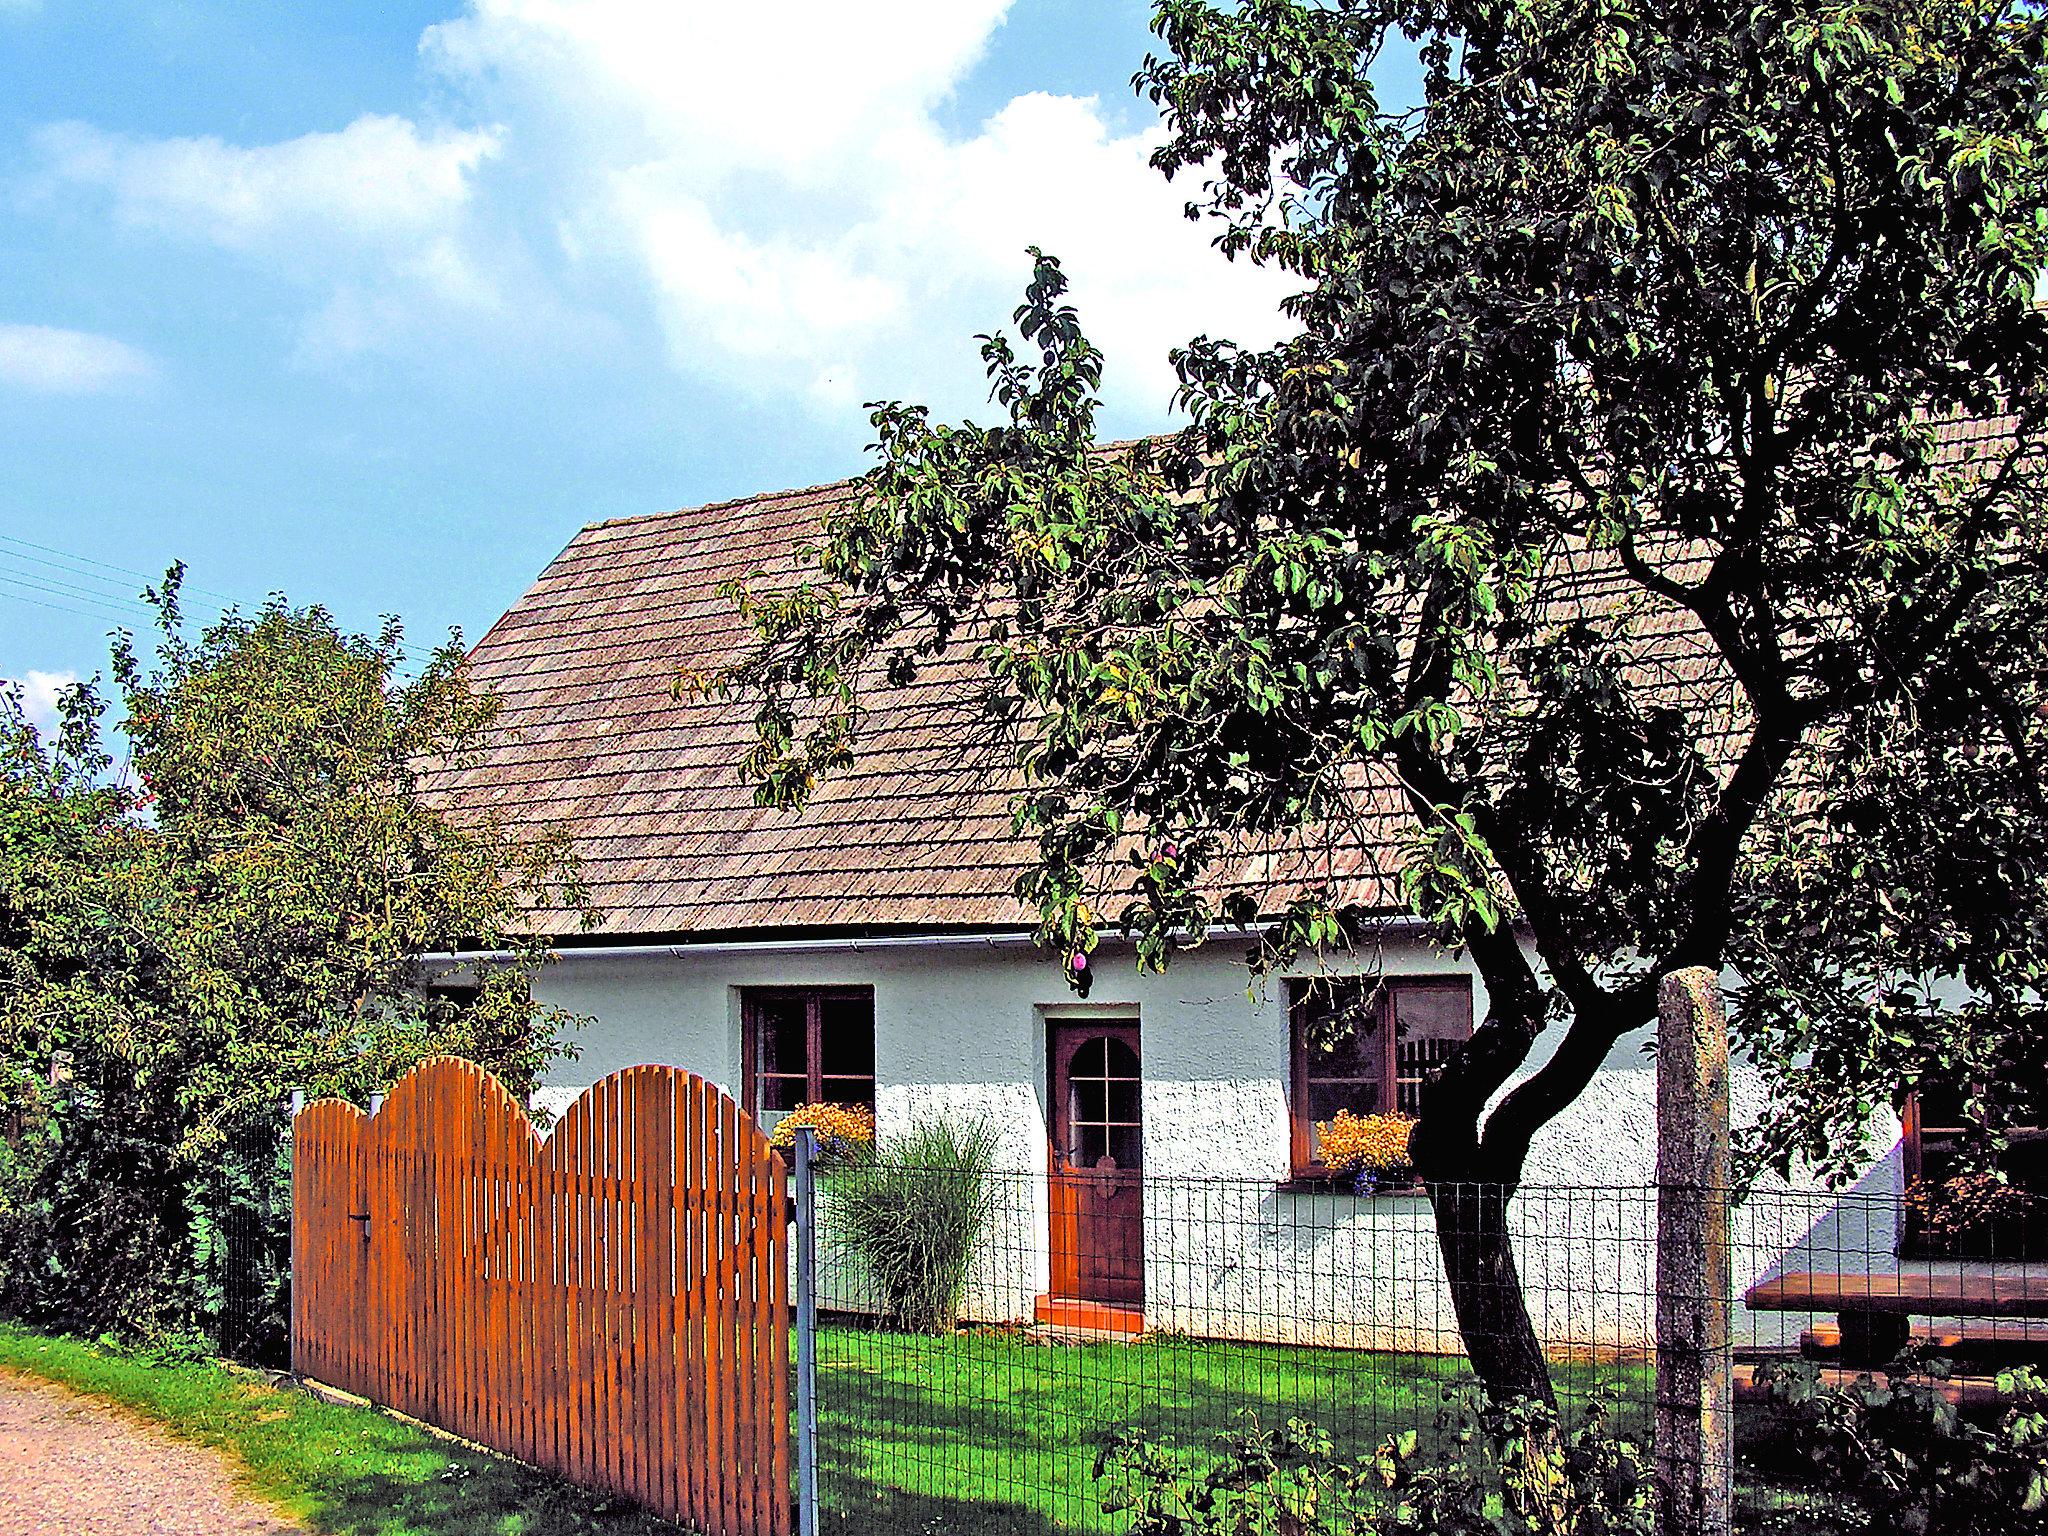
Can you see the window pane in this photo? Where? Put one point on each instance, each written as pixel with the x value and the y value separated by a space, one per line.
pixel 1432 1021
pixel 1358 1053
pixel 1119 1059
pixel 1123 1102
pixel 1418 1059
pixel 846 1036
pixel 1433 1012
pixel 850 1090
pixel 1091 1145
pixel 1325 1099
pixel 779 1036
pixel 1087 1101
pixel 1126 1145
pixel 1341 1030
pixel 781 1093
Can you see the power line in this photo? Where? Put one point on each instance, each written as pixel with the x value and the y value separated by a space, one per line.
pixel 125 592
pixel 122 593
pixel 52 607
pixel 121 570
pixel 129 605
pixel 61 588
pixel 101 608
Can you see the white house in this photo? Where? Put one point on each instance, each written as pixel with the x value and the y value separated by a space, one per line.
pixel 870 950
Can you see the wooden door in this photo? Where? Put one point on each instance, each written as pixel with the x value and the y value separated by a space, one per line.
pixel 1098 1160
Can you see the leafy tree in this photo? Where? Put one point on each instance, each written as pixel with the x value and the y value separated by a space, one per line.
pixel 1893 924
pixel 248 918
pixel 1674 296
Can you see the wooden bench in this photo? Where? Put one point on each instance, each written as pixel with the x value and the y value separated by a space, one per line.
pixel 1876 1312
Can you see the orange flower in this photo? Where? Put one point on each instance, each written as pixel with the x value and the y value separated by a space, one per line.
pixel 844 1130
pixel 1366 1143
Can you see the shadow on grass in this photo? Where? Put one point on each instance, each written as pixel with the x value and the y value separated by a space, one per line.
pixel 891 1512
pixel 449 1490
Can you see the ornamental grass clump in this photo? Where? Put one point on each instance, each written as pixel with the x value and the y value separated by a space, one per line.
pixel 1373 1148
pixel 911 1218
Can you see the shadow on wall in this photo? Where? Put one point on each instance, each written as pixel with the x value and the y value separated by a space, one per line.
pixel 1778 1231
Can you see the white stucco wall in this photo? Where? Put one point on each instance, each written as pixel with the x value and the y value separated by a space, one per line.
pixel 961 1029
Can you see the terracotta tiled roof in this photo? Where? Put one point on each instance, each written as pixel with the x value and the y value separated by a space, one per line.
pixel 915 836
pixel 592 739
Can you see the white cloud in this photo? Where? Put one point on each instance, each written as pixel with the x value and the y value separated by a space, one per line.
pixel 374 214
pixel 38 693
pixel 779 178
pixel 377 180
pixel 51 360
pixel 773 184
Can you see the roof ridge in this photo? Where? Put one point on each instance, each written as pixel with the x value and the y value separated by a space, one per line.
pixel 725 505
pixel 842 483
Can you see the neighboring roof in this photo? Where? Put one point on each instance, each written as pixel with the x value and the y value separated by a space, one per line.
pixel 916 836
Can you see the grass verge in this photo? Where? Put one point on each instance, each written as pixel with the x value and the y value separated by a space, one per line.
pixel 346 1470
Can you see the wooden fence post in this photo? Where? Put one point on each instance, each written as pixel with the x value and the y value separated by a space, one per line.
pixel 1695 1371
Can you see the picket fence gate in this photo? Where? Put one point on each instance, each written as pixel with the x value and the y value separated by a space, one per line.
pixel 610 1302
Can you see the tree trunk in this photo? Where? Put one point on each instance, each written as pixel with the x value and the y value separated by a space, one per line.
pixel 1486 1290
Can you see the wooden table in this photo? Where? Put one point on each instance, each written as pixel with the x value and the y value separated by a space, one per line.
pixel 1877 1311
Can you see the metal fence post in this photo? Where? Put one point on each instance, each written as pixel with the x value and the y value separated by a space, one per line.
pixel 295 1260
pixel 806 1332
pixel 1695 1366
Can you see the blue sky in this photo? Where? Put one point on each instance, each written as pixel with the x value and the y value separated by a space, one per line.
pixel 375 304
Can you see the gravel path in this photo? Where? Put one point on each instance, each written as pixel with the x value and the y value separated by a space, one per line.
pixel 71 1467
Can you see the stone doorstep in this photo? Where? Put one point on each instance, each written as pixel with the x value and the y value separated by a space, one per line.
pixel 1092 1321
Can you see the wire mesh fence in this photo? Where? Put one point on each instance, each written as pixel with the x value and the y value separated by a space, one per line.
pixel 244 1242
pixel 1185 1312
pixel 984 1337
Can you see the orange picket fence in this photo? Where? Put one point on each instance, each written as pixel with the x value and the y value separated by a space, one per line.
pixel 610 1302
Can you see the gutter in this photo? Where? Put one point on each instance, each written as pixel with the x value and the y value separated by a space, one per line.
pixel 741 947
pixel 849 944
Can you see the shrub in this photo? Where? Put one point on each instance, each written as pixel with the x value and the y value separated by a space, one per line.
pixel 1900 1456
pixel 241 915
pixel 1494 1470
pixel 912 1217
pixel 82 1249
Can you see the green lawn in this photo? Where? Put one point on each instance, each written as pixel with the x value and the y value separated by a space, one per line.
pixel 338 1469
pixel 994 1433
pixel 982 1434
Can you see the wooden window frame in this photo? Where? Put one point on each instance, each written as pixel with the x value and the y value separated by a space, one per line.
pixel 1300 1126
pixel 1914 1241
pixel 813 998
